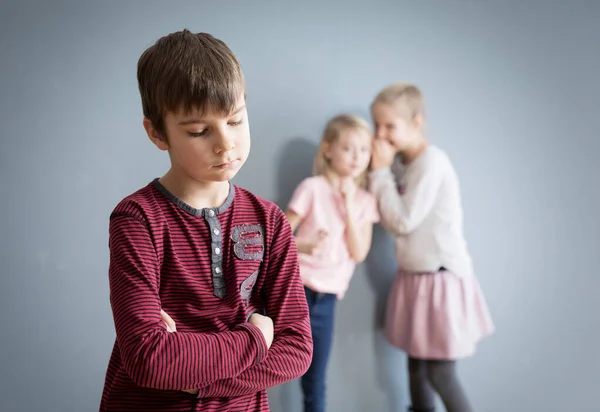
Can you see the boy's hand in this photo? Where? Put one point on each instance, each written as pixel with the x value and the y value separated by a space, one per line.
pixel 311 247
pixel 171 327
pixel 265 324
pixel 383 154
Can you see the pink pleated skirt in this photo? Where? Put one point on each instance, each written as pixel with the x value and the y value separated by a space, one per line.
pixel 437 315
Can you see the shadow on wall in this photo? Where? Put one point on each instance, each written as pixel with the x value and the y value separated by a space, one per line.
pixel 295 165
pixel 390 363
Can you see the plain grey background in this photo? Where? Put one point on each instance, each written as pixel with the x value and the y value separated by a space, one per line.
pixel 512 91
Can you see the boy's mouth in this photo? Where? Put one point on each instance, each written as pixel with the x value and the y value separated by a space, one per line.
pixel 228 165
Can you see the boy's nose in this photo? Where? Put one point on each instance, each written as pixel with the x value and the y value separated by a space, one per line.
pixel 225 143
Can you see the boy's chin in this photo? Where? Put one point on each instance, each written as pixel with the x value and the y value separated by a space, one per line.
pixel 225 176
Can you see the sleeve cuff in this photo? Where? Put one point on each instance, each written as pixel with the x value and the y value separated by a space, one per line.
pixel 261 344
pixel 379 173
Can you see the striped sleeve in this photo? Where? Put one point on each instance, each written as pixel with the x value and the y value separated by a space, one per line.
pixel 153 357
pixel 291 352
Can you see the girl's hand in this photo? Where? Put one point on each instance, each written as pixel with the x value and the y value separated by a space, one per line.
pixel 312 247
pixel 348 189
pixel 382 154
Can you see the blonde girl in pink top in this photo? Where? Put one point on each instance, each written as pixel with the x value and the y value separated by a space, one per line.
pixel 334 216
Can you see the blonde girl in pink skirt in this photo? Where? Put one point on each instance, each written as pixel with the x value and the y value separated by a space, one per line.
pixel 436 310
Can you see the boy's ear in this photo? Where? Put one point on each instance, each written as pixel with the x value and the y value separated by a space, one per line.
pixel 154 135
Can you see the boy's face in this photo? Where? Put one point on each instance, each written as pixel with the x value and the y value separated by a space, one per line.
pixel 208 147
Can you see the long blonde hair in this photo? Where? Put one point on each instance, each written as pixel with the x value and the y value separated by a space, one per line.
pixel 331 134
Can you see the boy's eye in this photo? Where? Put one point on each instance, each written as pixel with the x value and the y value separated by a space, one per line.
pixel 198 134
pixel 239 122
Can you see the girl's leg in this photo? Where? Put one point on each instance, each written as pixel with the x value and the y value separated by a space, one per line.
pixel 443 377
pixel 422 395
pixel 321 308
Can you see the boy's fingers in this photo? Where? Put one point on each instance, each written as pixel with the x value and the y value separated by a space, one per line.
pixel 171 327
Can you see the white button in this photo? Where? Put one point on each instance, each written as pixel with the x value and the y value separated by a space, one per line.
pixel 217 250
pixel 211 213
pixel 216 231
pixel 217 270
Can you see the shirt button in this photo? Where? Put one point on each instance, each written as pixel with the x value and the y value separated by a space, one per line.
pixel 216 231
pixel 211 213
pixel 217 251
pixel 217 270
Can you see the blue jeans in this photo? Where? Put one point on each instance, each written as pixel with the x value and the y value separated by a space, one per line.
pixel 322 315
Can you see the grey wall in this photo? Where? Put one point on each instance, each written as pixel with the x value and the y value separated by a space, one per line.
pixel 512 92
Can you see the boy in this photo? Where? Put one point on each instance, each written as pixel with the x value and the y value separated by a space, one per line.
pixel 194 259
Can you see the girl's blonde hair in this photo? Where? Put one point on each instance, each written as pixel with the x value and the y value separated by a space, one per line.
pixel 406 97
pixel 331 134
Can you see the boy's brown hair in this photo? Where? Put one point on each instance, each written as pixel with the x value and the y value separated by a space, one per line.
pixel 184 71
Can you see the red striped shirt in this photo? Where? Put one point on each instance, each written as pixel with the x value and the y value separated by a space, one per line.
pixel 209 269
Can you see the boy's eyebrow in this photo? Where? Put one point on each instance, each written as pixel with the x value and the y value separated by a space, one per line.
pixel 239 109
pixel 198 121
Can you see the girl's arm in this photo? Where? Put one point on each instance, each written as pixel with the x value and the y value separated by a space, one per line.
pixel 306 247
pixel 294 218
pixel 358 237
pixel 401 214
pixel 300 206
pixel 358 231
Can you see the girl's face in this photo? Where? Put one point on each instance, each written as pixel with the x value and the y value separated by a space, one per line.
pixel 350 154
pixel 390 125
